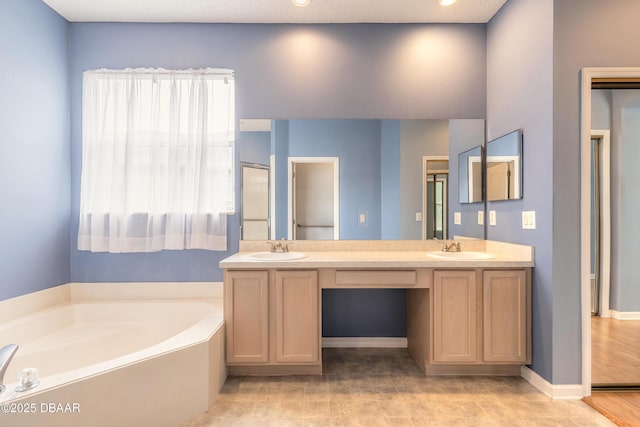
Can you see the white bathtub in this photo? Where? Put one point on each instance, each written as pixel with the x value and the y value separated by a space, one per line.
pixel 114 354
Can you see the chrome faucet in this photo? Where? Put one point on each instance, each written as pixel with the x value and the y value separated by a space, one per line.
pixel 282 246
pixel 6 354
pixel 452 247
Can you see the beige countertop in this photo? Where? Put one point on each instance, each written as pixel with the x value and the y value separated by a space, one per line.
pixel 372 255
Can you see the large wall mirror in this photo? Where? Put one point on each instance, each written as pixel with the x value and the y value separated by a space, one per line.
pixel 504 167
pixel 355 179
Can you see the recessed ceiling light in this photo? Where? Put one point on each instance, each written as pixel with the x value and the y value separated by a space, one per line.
pixel 446 2
pixel 301 2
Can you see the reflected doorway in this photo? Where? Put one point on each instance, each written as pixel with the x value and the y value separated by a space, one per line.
pixel 314 198
pixel 435 201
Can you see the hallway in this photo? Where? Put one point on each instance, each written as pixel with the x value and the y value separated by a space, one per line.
pixel 615 351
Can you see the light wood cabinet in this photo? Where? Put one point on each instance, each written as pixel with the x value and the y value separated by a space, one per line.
pixel 247 316
pixel 459 320
pixel 481 317
pixel 297 313
pixel 455 326
pixel 272 318
pixel 504 302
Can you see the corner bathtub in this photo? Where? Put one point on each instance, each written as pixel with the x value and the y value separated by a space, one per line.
pixel 125 354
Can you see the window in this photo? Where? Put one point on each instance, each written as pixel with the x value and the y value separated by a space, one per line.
pixel 157 160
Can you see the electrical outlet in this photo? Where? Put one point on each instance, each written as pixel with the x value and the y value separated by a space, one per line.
pixel 480 217
pixel 418 216
pixel 492 217
pixel 457 218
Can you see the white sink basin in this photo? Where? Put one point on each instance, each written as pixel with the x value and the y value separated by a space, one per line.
pixel 467 256
pixel 276 256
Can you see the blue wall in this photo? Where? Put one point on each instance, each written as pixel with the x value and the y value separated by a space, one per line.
pixel 520 95
pixel 282 71
pixel 34 148
pixel 253 147
pixel 586 33
pixel 463 135
pixel 280 150
pixel 390 145
pixel 357 144
pixel 418 138
pixel 384 314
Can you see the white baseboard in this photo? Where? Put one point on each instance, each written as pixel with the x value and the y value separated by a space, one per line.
pixel 625 315
pixel 364 342
pixel 558 392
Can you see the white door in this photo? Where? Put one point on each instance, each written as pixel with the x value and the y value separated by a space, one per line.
pixel 314 209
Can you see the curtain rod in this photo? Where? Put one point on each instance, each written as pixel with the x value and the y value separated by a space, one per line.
pixel 203 71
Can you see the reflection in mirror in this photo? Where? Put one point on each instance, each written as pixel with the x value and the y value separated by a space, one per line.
pixel 385 187
pixel 470 176
pixel 254 201
pixel 314 198
pixel 504 167
pixel 436 206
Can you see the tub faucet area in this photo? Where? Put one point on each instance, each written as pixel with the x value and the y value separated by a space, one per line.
pixel 6 354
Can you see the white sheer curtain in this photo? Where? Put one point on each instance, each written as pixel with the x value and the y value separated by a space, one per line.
pixel 157 160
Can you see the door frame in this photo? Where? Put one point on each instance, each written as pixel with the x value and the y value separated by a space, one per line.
pixel 586 77
pixel 335 162
pixel 426 159
pixel 605 217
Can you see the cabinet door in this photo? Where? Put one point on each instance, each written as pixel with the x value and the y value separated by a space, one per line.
pixel 505 316
pixel 247 316
pixel 455 305
pixel 297 316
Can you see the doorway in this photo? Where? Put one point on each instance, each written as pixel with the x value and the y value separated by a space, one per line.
pixel 314 198
pixel 610 337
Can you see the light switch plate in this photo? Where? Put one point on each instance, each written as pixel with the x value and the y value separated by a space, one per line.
pixel 418 216
pixel 528 220
pixel 492 217
pixel 480 217
pixel 363 218
pixel 457 218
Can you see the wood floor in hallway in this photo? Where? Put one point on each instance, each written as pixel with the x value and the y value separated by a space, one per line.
pixel 615 351
pixel 623 408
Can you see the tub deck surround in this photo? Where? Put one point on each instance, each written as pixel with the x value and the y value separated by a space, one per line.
pixel 463 316
pixel 103 346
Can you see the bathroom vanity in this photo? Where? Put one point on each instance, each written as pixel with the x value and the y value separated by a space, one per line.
pixel 467 312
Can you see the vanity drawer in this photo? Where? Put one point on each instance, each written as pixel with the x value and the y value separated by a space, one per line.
pixel 376 278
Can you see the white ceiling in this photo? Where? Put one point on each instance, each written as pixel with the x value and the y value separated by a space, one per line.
pixel 275 11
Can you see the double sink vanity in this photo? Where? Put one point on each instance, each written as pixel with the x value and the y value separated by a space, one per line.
pixel 468 312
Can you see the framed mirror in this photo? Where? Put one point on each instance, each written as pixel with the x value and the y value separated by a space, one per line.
pixel 388 178
pixel 503 167
pixel 470 176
